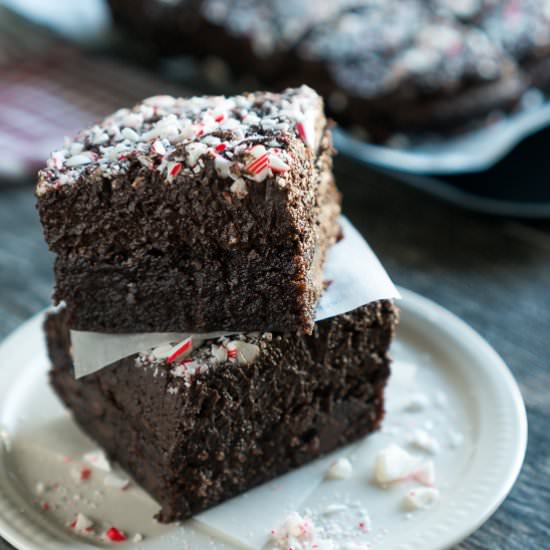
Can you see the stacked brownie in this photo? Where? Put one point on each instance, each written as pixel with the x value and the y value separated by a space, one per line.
pixel 204 215
pixel 384 66
pixel 194 214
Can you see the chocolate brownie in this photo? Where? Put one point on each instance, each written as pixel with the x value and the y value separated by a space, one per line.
pixel 197 215
pixel 200 427
pixel 384 66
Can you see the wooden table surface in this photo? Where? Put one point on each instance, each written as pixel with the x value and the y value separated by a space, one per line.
pixel 494 273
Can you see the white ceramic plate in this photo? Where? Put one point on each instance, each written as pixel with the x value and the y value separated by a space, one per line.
pixel 471 405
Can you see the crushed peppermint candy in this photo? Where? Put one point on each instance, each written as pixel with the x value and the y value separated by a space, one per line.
pixel 420 439
pixel 81 474
pixel 239 188
pixel 299 533
pixel 116 482
pixel 196 354
pixel 114 535
pixel 242 352
pixel 420 498
pixel 82 524
pixel 340 469
pixel 339 525
pixel 251 136
pixel 393 464
pixel 85 474
pixel 98 460
pixel 181 350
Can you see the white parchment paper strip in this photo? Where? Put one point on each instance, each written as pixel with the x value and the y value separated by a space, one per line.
pixel 94 350
pixel 356 278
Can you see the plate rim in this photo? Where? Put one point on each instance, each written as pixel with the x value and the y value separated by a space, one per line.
pixel 435 312
pixel 20 531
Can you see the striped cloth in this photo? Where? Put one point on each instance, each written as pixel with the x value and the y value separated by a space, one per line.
pixel 50 89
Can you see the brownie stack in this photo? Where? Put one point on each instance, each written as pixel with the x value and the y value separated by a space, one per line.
pixel 201 215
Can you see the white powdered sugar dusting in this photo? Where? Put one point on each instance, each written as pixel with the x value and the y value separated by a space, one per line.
pixel 198 353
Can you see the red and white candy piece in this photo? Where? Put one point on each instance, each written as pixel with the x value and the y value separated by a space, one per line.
pixel 420 498
pixel 98 460
pixel 239 188
pixel 258 165
pixel 393 464
pixel 114 535
pixel 277 165
pixel 306 131
pixel 158 148
pixel 82 524
pixel 243 352
pixel 56 159
pixel 174 168
pixel 180 350
pixel 263 162
pixel 116 482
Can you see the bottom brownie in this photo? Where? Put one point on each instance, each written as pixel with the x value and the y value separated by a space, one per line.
pixel 231 413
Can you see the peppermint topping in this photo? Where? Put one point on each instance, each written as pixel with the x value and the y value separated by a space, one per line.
pixel 180 351
pixel 299 533
pixel 198 353
pixel 242 352
pixel 252 136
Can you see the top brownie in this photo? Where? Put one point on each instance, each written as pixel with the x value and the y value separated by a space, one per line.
pixel 212 197
pixel 196 164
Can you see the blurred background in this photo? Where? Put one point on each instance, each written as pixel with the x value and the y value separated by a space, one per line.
pixel 474 237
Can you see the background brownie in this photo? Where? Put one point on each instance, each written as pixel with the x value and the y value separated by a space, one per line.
pixel 396 65
pixel 194 214
pixel 235 412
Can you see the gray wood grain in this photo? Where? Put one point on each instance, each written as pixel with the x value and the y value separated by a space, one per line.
pixel 494 273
